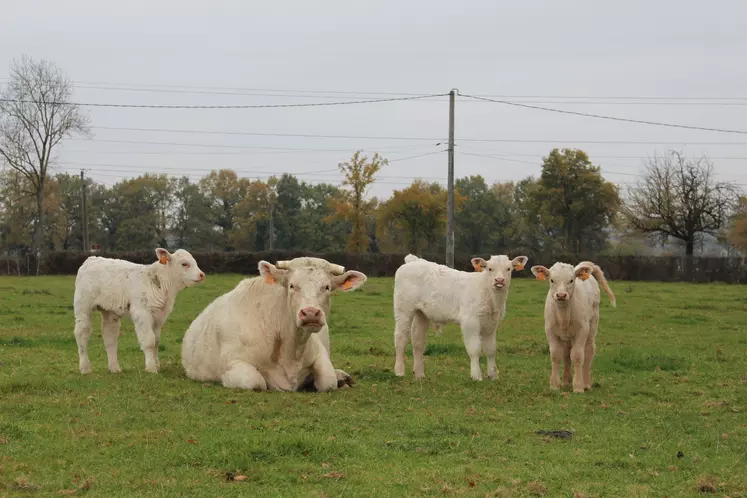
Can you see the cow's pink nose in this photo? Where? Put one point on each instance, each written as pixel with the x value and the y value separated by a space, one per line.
pixel 202 276
pixel 309 314
pixel 500 281
pixel 561 295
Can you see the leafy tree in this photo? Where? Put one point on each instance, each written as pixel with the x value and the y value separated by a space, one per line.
pixel 571 202
pixel 35 116
pixel 224 190
pixel 251 229
pixel 287 211
pixel 319 229
pixel 485 222
pixel 419 211
pixel 359 175
pixel 679 198
pixel 193 226
pixel 738 232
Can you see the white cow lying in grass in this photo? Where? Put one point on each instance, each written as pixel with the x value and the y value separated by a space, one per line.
pixel 426 291
pixel 144 292
pixel 572 319
pixel 270 331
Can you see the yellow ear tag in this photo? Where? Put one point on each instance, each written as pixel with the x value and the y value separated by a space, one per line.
pixel 584 275
pixel 269 279
pixel 519 267
pixel 163 260
pixel 477 267
pixel 347 285
pixel 540 276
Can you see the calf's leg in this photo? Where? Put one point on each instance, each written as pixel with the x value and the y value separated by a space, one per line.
pixel 557 354
pixel 567 376
pixel 489 348
pixel 473 343
pixel 419 331
pixel 241 375
pixel 110 330
pixel 402 325
pixel 143 321
pixel 590 350
pixel 578 353
pixel 83 330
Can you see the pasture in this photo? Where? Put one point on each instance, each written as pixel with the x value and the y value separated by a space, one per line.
pixel 667 416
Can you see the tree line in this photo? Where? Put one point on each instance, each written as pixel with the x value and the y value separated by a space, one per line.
pixel 570 208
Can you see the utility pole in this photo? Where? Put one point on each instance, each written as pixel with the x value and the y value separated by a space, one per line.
pixel 84 211
pixel 450 185
pixel 272 225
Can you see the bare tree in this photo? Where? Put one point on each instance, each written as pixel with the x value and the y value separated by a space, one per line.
pixel 36 114
pixel 680 198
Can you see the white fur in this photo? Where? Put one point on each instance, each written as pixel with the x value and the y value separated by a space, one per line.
pixel 425 291
pixel 251 337
pixel 572 320
pixel 144 292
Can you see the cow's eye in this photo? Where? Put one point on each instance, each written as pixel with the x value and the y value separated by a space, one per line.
pixel 552 281
pixel 327 288
pixel 291 286
pixel 570 282
pixel 490 269
pixel 185 265
pixel 508 269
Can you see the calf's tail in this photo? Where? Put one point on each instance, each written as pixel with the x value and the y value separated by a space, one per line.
pixel 599 275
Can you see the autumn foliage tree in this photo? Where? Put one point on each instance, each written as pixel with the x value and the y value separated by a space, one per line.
pixel 419 212
pixel 738 232
pixel 359 174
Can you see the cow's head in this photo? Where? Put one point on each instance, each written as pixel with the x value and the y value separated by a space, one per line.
pixel 182 266
pixel 498 269
pixel 562 277
pixel 309 283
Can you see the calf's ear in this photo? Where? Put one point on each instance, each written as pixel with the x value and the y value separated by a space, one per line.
pixel 163 255
pixel 540 272
pixel 583 272
pixel 519 262
pixel 479 264
pixel 348 281
pixel 271 273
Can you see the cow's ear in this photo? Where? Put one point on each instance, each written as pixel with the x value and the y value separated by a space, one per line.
pixel 519 262
pixel 540 272
pixel 271 274
pixel 163 255
pixel 479 264
pixel 348 281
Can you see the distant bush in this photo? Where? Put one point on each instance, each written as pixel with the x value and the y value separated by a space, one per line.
pixel 636 268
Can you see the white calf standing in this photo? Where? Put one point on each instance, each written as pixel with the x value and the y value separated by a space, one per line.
pixel 426 291
pixel 144 292
pixel 572 319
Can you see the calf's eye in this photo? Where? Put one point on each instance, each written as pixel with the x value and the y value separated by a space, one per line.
pixel 185 265
pixel 552 281
pixel 570 282
pixel 327 287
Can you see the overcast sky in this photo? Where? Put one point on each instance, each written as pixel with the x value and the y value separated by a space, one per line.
pixel 670 61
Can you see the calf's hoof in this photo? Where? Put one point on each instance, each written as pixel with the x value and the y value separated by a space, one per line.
pixel 153 370
pixel 85 370
pixel 115 369
pixel 578 389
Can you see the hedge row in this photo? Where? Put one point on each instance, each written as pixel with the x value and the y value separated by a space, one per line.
pixel 636 268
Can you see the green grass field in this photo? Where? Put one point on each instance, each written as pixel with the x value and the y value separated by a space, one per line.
pixel 667 417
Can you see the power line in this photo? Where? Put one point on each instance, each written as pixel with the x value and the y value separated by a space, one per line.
pixel 429 139
pixel 281 92
pixel 250 147
pixel 248 106
pixel 610 118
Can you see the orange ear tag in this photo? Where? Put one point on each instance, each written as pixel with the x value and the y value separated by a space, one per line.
pixel 540 276
pixel 585 275
pixel 269 279
pixel 347 285
pixel 477 267
pixel 163 260
pixel 519 267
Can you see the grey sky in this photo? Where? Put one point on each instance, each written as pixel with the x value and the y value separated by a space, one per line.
pixel 682 49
